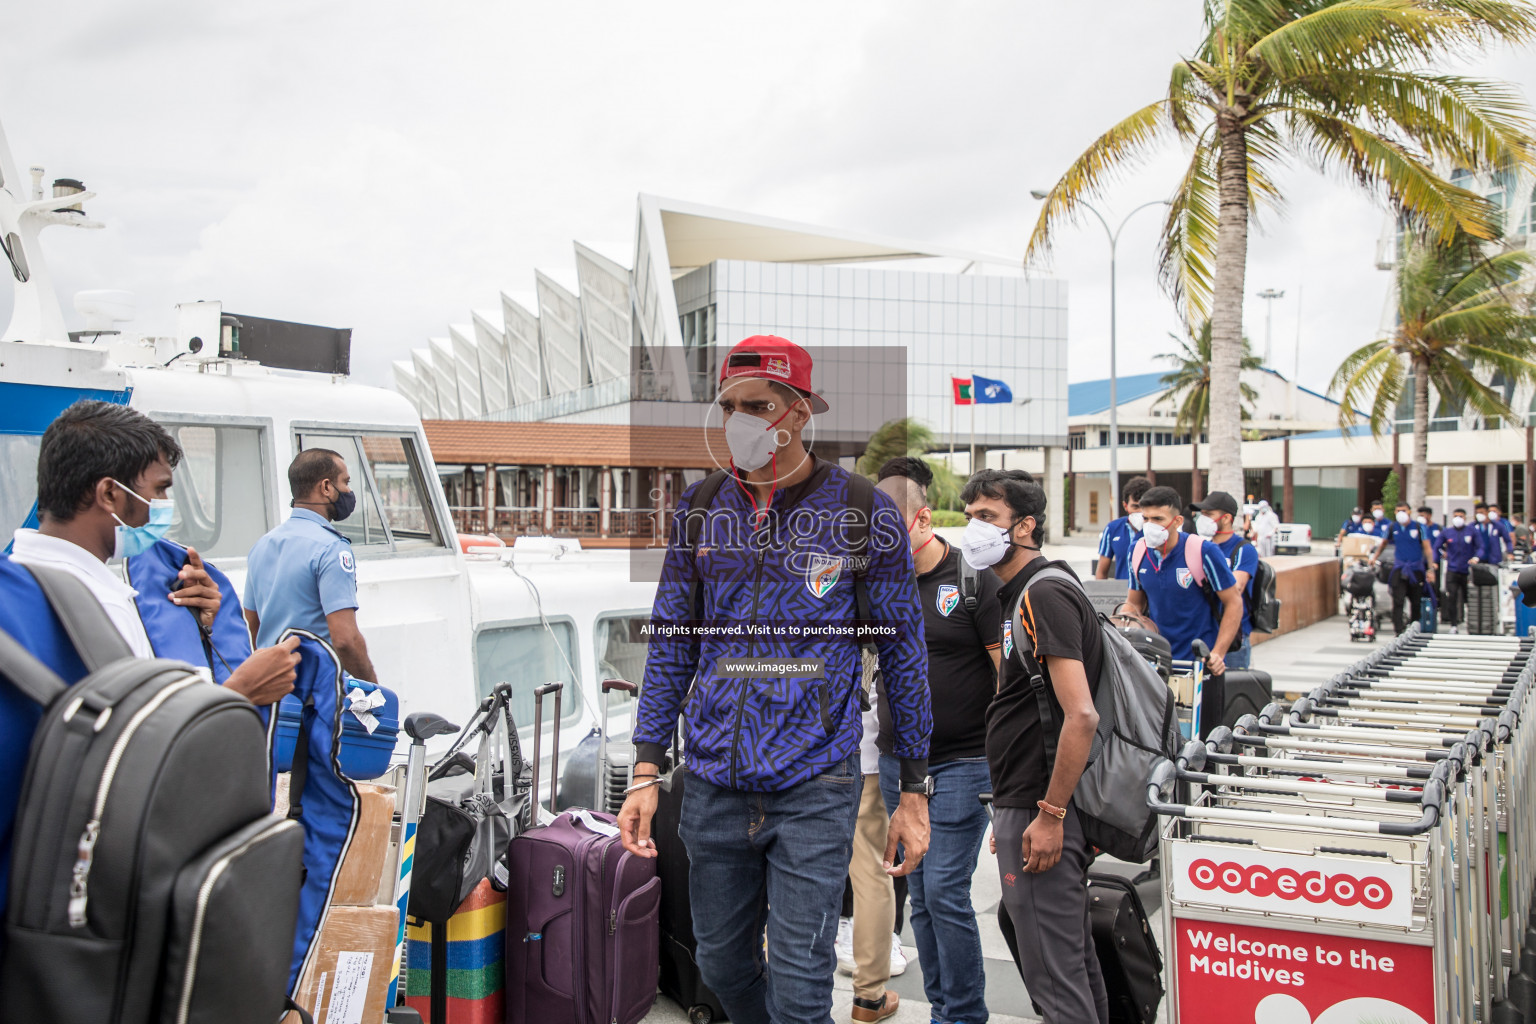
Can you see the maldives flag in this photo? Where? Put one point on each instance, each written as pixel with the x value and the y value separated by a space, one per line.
pixel 962 386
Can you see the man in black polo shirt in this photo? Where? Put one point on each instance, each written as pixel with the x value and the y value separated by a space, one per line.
pixel 1042 857
pixel 961 621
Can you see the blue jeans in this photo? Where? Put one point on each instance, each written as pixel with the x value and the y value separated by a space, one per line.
pixel 787 850
pixel 1241 656
pixel 943 919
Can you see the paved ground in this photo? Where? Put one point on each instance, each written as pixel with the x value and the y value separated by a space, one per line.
pixel 1298 661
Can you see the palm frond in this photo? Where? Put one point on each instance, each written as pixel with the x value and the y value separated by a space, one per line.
pixel 1471 122
pixel 1379 163
pixel 1375 372
pixel 1187 257
pixel 1459 384
pixel 1112 152
pixel 1362 31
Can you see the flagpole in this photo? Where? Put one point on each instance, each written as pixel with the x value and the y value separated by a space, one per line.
pixel 973 426
pixel 952 404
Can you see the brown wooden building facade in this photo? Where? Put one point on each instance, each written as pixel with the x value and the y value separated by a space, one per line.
pixel 609 485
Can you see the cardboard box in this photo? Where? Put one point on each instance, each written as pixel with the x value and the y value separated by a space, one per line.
pixel 357 883
pixel 349 977
pixel 1358 545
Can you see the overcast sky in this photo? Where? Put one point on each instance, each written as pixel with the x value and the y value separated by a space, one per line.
pixel 388 167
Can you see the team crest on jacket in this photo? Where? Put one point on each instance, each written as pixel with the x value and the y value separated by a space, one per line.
pixel 1184 577
pixel 1007 637
pixel 948 599
pixel 345 558
pixel 823 574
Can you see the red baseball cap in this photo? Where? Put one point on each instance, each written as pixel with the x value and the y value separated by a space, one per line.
pixel 769 357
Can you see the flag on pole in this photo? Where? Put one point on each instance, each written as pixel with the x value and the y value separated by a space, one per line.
pixel 962 386
pixel 989 391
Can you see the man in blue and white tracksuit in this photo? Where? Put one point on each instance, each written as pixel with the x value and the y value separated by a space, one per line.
pixel 774 781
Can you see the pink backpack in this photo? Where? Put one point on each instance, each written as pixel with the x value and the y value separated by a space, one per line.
pixel 1192 558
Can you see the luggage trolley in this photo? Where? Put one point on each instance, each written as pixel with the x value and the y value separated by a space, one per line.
pixel 1283 891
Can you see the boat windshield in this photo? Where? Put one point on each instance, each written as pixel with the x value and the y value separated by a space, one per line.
pixel 393 513
pixel 220 489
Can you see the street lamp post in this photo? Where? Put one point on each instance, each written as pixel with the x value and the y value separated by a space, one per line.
pixel 1114 395
pixel 1269 295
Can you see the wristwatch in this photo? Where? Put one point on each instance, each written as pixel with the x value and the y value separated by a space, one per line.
pixel 924 788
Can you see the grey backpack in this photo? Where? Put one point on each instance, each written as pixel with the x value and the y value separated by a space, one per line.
pixel 149 882
pixel 1138 726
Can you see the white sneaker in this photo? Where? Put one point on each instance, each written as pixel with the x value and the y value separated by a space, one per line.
pixel 844 945
pixel 898 958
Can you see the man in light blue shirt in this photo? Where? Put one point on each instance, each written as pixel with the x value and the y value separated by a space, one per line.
pixel 303 574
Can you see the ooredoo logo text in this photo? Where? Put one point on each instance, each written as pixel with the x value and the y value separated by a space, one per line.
pixel 1263 881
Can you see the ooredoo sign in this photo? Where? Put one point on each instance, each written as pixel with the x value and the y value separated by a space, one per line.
pixel 1361 891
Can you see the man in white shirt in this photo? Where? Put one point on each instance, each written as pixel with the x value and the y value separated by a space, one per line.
pixel 103 480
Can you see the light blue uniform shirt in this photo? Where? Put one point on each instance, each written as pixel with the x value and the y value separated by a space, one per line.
pixel 298 574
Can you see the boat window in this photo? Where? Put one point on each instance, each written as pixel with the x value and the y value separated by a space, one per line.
pixel 220 489
pixel 397 472
pixel 393 511
pixel 18 481
pixel 621 646
pixel 528 656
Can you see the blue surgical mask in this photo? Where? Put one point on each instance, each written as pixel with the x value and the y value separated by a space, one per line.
pixel 135 540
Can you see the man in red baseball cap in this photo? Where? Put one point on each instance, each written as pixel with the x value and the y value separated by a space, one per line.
pixel 767 556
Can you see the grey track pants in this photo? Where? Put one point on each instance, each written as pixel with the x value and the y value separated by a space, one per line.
pixel 1050 921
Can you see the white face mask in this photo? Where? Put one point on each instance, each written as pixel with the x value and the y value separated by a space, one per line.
pixel 752 441
pixel 1482 518
pixel 1155 534
pixel 983 544
pixel 1379 513
pixel 1355 518
pixel 1205 526
pixel 1420 520
pixel 1402 517
pixel 1135 519
pixel 1458 521
pixel 1493 516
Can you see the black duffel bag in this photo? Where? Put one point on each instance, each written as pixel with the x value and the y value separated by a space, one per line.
pixel 1484 575
pixel 471 814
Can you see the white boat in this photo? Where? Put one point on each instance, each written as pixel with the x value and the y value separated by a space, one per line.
pixel 443 627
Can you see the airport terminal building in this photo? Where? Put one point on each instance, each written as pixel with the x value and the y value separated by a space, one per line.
pixel 889 323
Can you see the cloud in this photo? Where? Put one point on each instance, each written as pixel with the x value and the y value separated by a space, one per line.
pixel 390 167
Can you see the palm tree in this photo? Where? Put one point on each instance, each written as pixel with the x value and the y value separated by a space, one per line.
pixel 907 436
pixel 1343 83
pixel 1189 384
pixel 1461 317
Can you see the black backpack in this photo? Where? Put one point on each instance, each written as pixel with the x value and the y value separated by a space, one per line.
pixel 149 880
pixel 1263 606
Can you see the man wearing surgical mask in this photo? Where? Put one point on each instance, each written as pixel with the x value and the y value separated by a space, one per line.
pixel 104 474
pixel 1165 588
pixel 303 574
pixel 1121 534
pixel 773 767
pixel 1218 513
pixel 103 480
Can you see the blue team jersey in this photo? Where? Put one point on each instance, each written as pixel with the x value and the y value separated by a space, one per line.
pixel 298 574
pixel 1350 526
pixel 1458 546
pixel 1247 561
pixel 1116 542
pixel 1407 544
pixel 1183 611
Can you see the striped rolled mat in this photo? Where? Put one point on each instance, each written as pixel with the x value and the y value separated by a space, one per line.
pixel 476 951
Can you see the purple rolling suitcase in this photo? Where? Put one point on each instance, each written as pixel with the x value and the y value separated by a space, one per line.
pixel 582 935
